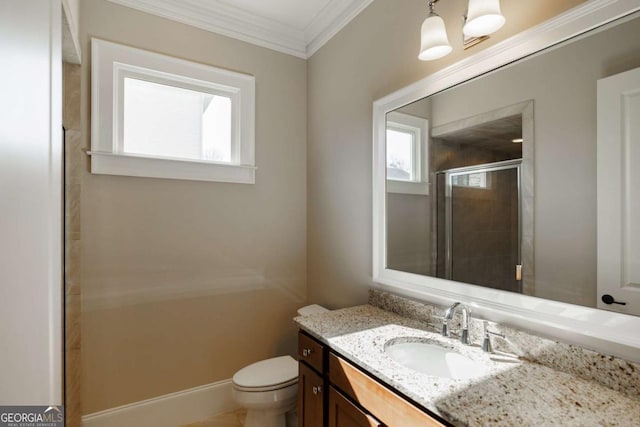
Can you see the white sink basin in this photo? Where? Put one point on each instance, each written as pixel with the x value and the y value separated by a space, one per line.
pixel 433 359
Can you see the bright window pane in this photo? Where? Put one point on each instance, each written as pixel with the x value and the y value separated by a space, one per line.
pixel 168 121
pixel 216 130
pixel 400 149
pixel 473 180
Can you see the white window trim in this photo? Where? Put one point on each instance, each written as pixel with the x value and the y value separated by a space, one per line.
pixel 420 186
pixel 111 63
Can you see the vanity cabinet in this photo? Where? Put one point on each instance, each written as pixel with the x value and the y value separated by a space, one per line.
pixel 311 382
pixel 348 396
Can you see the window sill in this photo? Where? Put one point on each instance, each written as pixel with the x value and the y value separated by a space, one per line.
pixel 404 187
pixel 157 167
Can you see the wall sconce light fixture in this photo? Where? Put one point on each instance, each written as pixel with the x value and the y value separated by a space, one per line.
pixel 483 18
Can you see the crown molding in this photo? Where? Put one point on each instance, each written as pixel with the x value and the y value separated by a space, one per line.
pixel 226 20
pixel 334 17
pixel 230 21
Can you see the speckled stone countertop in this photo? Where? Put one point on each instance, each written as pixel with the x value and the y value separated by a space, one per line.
pixel 511 392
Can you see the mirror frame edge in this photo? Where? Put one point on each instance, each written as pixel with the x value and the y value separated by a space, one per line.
pixel 591 328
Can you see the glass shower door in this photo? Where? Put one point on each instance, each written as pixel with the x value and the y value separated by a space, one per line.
pixel 482 221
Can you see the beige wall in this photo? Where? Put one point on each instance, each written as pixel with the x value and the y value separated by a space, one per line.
pixel 185 282
pixel 409 222
pixel 373 56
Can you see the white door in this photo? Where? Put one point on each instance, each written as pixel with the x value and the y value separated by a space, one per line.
pixel 619 192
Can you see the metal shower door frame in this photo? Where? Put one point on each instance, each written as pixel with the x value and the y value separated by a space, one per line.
pixel 486 167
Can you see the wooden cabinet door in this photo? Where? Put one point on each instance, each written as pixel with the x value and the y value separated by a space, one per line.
pixel 343 413
pixel 310 398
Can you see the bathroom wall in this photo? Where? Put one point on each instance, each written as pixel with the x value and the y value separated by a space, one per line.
pixel 409 219
pixel 409 222
pixel 373 56
pixel 185 282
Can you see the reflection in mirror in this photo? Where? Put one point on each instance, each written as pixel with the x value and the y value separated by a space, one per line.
pixel 470 225
pixel 462 196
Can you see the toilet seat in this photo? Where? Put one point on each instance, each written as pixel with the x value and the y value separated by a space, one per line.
pixel 266 388
pixel 267 375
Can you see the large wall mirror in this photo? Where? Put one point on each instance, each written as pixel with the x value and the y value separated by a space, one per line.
pixel 511 176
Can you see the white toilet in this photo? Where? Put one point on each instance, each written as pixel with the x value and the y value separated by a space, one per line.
pixel 269 389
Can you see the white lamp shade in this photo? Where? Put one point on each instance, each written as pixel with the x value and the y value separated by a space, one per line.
pixel 434 42
pixel 483 18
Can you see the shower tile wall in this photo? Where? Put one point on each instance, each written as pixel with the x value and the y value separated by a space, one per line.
pixel 485 233
pixel 75 161
pixel 447 155
pixel 485 221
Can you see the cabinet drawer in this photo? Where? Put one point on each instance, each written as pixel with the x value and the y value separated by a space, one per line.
pixel 343 413
pixel 310 351
pixel 387 406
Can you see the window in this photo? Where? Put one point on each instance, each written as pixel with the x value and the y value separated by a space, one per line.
pixel 401 153
pixel 472 180
pixel 162 117
pixel 156 116
pixel 407 160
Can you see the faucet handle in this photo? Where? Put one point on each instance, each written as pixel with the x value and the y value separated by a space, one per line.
pixel 486 342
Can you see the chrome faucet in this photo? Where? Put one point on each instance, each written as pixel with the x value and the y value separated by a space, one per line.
pixel 448 315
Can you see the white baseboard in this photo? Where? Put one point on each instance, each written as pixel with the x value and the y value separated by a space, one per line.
pixel 171 410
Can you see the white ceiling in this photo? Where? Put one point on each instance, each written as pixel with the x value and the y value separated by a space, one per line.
pixel 295 27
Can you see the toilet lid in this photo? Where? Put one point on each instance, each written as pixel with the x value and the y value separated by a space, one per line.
pixel 267 373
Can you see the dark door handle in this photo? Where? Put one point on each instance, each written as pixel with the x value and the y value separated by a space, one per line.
pixel 608 299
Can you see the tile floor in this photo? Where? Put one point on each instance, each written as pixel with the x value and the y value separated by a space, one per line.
pixel 228 419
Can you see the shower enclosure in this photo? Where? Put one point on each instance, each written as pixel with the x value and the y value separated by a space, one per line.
pixel 479 231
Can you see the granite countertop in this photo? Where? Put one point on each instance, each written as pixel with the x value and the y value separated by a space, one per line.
pixel 512 392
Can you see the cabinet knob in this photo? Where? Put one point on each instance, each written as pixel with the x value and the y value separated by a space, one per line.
pixel 317 389
pixel 306 352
